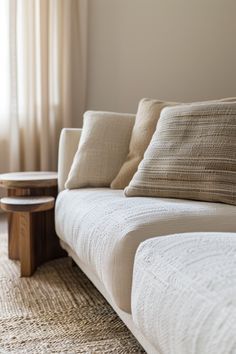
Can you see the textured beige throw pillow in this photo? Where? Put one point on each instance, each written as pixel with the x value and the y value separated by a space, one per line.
pixel 148 113
pixel 145 124
pixel 102 149
pixel 192 155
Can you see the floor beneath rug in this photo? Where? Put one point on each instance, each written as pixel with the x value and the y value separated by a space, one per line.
pixel 58 310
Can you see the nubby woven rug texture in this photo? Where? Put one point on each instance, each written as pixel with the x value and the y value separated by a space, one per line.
pixel 57 310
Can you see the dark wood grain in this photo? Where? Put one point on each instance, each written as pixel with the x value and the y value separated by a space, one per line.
pixel 14 226
pixel 46 245
pixel 27 245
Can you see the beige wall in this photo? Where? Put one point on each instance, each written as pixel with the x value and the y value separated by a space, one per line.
pixel 171 49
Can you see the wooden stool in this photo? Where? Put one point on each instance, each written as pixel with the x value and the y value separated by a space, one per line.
pixel 30 241
pixel 33 184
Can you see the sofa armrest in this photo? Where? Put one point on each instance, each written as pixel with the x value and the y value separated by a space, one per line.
pixel 68 146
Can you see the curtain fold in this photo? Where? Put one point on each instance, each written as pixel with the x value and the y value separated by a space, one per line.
pixel 47 44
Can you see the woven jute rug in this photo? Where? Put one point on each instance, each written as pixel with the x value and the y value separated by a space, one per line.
pixel 57 310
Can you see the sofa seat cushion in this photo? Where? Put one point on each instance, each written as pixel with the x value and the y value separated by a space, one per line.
pixel 184 293
pixel 104 229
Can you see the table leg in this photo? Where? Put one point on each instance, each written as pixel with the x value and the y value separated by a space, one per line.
pixel 48 245
pixel 13 236
pixel 27 245
pixel 14 226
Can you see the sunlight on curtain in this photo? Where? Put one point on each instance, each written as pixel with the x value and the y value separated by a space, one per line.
pixel 5 82
pixel 4 58
pixel 43 78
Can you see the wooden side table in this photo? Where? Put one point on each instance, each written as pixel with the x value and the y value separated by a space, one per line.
pixel 26 207
pixel 33 184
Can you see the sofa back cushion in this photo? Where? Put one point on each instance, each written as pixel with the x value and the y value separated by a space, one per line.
pixel 102 149
pixel 192 155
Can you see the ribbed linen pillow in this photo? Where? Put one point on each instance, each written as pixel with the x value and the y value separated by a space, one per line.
pixel 102 149
pixel 147 116
pixel 192 155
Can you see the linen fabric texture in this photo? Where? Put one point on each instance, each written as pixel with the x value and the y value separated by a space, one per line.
pixel 147 116
pixel 192 155
pixel 104 229
pixel 145 124
pixel 102 149
pixel 184 293
pixel 45 67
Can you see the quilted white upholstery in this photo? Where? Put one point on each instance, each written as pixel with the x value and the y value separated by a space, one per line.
pixel 184 293
pixel 104 228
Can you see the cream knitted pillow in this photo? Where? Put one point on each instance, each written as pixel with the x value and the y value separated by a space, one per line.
pixel 103 147
pixel 145 124
pixel 192 155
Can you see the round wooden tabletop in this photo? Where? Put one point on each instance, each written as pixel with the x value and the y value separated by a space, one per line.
pixel 27 204
pixel 28 180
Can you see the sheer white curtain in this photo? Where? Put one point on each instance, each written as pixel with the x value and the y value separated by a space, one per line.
pixel 42 78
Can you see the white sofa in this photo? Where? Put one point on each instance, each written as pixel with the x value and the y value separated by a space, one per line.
pixel 184 293
pixel 101 230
